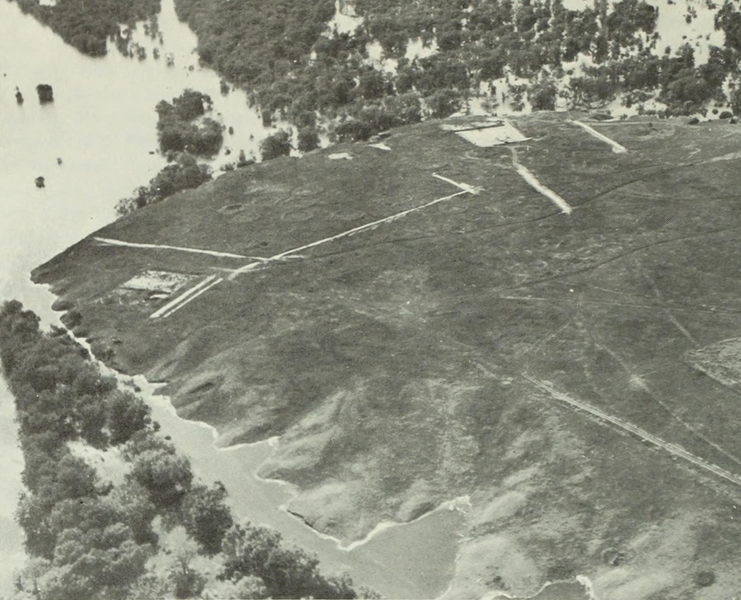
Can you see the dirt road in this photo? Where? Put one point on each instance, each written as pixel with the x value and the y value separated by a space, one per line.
pixel 539 187
pixel 465 189
pixel 112 242
pixel 638 432
pixel 616 148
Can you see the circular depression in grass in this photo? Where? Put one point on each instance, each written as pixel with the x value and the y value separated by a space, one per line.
pixel 352 215
pixel 299 215
pixel 452 208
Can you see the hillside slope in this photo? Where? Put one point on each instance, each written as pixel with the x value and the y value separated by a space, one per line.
pixel 428 356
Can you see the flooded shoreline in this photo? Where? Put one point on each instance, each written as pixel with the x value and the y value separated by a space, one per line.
pixel 102 125
pixel 399 560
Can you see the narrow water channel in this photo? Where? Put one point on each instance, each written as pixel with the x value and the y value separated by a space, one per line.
pixel 102 127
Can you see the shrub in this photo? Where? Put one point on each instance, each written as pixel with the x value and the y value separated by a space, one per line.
pixel 276 145
pixel 166 476
pixel 353 130
pixel 177 130
pixel 45 92
pixel 184 173
pixel 542 95
pixel 704 578
pixel 72 318
pixel 191 104
pixel 308 139
pixel 736 101
pixel 287 573
pixel 444 103
pixel 127 414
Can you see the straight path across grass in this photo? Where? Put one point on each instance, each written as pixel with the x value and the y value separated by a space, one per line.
pixel 672 449
pixel 183 298
pixel 465 189
pixel 112 242
pixel 616 148
pixel 533 182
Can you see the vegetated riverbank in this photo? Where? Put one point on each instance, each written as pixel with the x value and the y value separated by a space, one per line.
pixel 409 560
pixel 390 362
pixel 89 25
pixel 349 69
pixel 88 537
pixel 511 56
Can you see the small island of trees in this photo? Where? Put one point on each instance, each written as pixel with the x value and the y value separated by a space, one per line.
pixel 45 93
pixel 183 127
pixel 185 133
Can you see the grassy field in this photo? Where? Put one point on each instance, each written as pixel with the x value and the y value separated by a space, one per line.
pixel 391 362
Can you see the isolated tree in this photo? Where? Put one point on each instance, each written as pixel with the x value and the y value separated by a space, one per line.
pixel 542 95
pixel 186 581
pixel 444 103
pixel 132 501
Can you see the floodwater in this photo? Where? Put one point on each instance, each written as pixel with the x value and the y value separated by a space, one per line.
pixel 414 560
pixel 102 127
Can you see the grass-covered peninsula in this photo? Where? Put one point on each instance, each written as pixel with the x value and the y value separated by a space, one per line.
pixel 420 318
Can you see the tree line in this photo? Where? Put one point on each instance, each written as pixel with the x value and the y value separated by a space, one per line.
pixel 284 55
pixel 89 539
pixel 89 24
pixel 184 133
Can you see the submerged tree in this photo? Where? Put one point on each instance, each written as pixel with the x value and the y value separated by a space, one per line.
pixel 276 145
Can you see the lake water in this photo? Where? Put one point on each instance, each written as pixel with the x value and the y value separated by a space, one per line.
pixel 102 126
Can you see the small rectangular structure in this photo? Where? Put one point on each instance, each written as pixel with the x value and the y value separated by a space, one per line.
pixel 163 282
pixel 487 133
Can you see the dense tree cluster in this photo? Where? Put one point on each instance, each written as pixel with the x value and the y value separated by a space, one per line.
pixel 184 173
pixel 90 539
pixel 285 55
pixel 88 24
pixel 184 132
pixel 276 145
pixel 182 126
